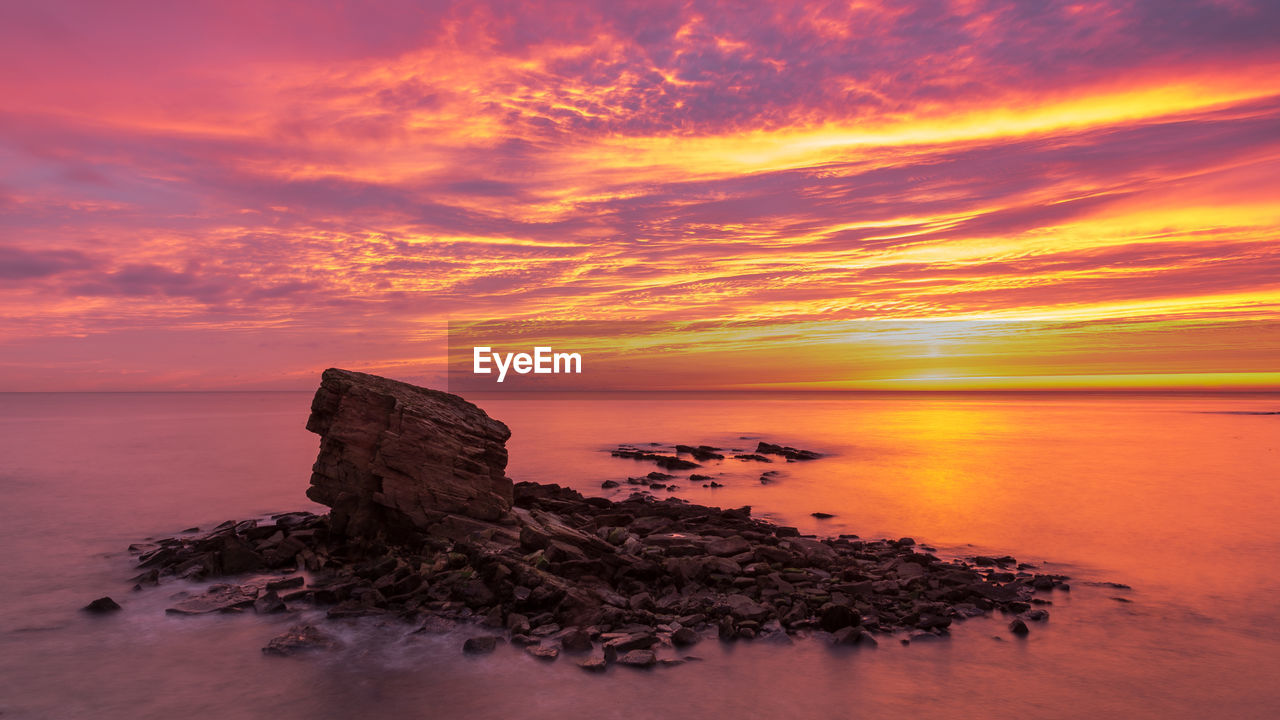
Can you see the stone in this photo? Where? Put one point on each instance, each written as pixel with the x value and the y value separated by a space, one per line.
pixel 631 641
pixel 835 617
pixel 269 603
pixel 743 607
pixel 725 547
pixel 102 605
pixel 394 457
pixel 685 637
pixel 1018 627
pixel 543 652
pixel 638 658
pixel 595 663
pixel 218 598
pixel 576 640
pixel 822 515
pixel 788 452
pixel 298 639
pixel 480 644
pixel 286 583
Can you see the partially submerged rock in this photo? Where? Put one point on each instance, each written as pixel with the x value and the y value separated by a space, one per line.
pixel 299 639
pixel 102 605
pixel 218 598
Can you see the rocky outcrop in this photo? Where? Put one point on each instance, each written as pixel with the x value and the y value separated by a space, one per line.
pixel 426 528
pixel 395 459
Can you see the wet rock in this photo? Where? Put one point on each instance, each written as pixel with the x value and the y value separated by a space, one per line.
pixel 609 484
pixel 638 658
pixel 685 637
pixel 789 453
pixel 630 641
pixel 822 515
pixel 481 644
pixel 218 598
pixel 543 652
pixel 667 462
pixel 701 452
pixel 1018 627
pixel 1036 615
pixel 269 603
pixel 102 605
pixel 595 663
pixel 394 456
pixel 299 639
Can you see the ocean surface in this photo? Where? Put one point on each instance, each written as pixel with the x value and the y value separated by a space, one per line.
pixel 1177 496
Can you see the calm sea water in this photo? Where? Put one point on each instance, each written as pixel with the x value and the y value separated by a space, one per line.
pixel 1177 496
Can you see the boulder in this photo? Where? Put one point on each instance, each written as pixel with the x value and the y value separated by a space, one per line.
pixel 395 458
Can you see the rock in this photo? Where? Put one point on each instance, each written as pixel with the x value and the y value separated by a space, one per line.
pixel 543 652
pixel 725 547
pixel 595 663
pixel 702 452
pixel 638 658
pixel 1037 615
pixel 395 457
pixel 218 598
pixel 609 484
pixel 269 603
pixel 630 641
pixel 933 621
pixel 667 462
pixel 743 607
pixel 822 515
pixel 480 644
pixel 286 583
pixel 1018 627
pixel 789 453
pixel 576 640
pixel 102 605
pixel 298 639
pixel 847 636
pixel 685 637
pixel 835 617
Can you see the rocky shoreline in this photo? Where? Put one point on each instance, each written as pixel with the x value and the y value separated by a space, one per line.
pixel 426 529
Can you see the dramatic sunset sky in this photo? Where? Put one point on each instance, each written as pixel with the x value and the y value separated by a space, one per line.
pixel 238 194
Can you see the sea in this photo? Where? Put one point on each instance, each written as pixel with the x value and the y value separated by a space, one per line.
pixel 1163 508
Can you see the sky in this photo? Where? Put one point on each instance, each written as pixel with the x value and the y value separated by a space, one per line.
pixel 236 195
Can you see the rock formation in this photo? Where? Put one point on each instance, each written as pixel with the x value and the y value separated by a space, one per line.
pixel 395 459
pixel 426 527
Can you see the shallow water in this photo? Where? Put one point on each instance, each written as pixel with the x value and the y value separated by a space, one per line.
pixel 1173 495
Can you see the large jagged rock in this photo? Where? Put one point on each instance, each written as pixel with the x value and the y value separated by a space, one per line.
pixel 396 458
